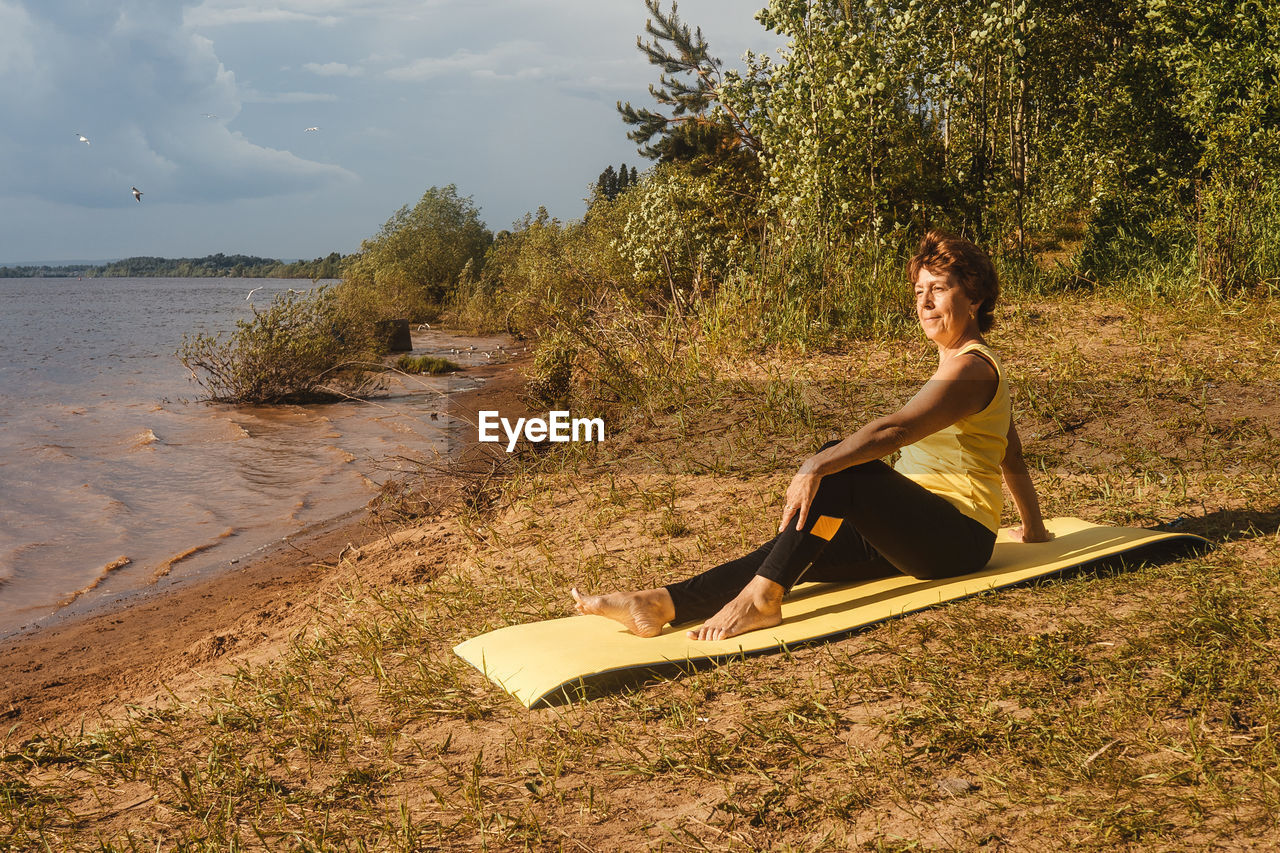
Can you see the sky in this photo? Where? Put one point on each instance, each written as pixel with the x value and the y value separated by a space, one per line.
pixel 204 107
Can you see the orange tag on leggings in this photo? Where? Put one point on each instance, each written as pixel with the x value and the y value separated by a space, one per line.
pixel 825 527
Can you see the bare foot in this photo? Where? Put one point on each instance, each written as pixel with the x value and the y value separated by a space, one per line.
pixel 759 605
pixel 643 613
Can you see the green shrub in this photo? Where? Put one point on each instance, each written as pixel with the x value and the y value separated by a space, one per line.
pixel 410 266
pixel 302 348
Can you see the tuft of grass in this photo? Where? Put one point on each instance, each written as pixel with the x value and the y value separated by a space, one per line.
pixel 429 364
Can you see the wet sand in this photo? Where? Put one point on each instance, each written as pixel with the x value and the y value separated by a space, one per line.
pixel 136 649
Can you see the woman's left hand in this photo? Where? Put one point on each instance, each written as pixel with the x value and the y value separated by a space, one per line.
pixel 800 494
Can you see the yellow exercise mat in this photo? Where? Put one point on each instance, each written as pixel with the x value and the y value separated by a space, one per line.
pixel 556 659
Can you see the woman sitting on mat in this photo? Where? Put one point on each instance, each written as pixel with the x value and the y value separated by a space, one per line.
pixel 933 515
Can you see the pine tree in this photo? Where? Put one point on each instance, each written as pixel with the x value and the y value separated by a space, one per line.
pixel 607 183
pixel 690 130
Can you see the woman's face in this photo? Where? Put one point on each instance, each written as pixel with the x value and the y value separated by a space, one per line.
pixel 944 310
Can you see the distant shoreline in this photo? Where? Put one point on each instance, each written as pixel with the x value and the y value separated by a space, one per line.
pixel 210 266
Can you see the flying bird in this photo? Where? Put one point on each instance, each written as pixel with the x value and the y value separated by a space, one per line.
pixel 251 292
pixel 311 130
pixel 137 194
pixel 82 137
pixel 208 115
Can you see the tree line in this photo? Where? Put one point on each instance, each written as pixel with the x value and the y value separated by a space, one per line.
pixel 217 265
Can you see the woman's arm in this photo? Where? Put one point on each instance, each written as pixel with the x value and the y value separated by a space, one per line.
pixel 961 387
pixel 1016 477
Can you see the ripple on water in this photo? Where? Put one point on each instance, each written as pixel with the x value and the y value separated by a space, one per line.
pixel 55 453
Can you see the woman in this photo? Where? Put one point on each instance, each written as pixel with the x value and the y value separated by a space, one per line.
pixel 934 514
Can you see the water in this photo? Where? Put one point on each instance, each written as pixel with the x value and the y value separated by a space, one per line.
pixel 105 456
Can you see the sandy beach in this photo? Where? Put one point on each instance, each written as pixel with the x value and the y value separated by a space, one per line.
pixel 142 648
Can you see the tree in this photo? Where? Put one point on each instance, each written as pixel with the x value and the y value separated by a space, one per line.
pixel 607 184
pixel 699 124
pixel 415 259
pixel 612 183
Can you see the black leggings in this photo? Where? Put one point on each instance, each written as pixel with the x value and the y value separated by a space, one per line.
pixel 888 524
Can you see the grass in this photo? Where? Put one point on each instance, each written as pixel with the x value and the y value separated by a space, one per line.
pixel 429 364
pixel 1136 706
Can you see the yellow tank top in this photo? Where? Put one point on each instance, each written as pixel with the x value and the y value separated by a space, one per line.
pixel 961 463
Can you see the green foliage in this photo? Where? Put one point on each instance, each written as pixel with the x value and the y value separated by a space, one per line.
pixel 795 297
pixel 545 271
pixel 698 124
pixel 302 348
pixel 832 117
pixel 686 229
pixel 1154 124
pixel 411 264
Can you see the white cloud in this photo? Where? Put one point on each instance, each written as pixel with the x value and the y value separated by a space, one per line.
pixel 333 69
pixel 210 15
pixel 517 59
pixel 221 13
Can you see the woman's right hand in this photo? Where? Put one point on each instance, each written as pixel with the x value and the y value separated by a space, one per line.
pixel 800 494
pixel 1022 534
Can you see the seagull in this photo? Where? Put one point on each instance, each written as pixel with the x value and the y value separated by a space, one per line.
pixel 251 292
pixel 208 115
pixel 82 137
pixel 311 130
pixel 422 326
pixel 137 194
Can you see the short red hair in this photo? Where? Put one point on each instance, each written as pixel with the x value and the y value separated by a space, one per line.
pixel 950 255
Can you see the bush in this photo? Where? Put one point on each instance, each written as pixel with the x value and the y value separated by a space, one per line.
pixel 302 348
pixel 686 230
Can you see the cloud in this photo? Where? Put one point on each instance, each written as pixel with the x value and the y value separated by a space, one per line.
pixel 210 15
pixel 17 47
pixel 427 67
pixel 223 13
pixel 252 96
pixel 333 69
pixel 134 79
pixel 513 60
